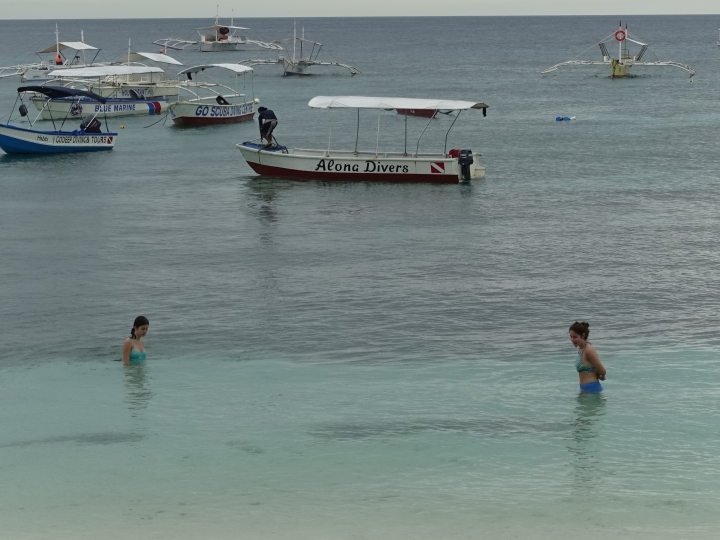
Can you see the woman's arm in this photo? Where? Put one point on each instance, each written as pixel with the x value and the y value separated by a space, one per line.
pixel 126 348
pixel 593 359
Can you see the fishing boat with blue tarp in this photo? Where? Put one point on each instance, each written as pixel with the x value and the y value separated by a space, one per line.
pixel 87 137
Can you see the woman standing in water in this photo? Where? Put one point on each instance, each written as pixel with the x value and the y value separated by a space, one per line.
pixel 588 364
pixel 133 350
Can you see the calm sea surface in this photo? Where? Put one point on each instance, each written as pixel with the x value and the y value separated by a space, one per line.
pixel 370 361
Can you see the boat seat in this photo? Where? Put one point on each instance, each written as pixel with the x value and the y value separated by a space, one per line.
pixel 222 101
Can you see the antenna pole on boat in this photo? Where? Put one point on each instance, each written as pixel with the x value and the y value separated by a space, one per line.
pixel 448 131
pixel 294 38
pixel 57 42
pixel 82 39
pixel 128 58
pixel 417 146
pixel 357 132
pixel 406 132
pixel 377 142
pixel 329 136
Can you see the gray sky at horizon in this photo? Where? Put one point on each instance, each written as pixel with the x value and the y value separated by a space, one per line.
pixel 94 9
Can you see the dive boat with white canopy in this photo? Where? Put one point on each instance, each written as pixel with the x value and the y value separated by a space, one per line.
pixel 626 59
pixel 88 137
pixel 211 102
pixel 126 89
pixel 356 165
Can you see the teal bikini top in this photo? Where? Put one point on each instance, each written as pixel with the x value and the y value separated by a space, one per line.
pixel 137 356
pixel 582 367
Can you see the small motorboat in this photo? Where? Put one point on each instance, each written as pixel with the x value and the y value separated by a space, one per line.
pixel 87 137
pixel 376 166
pixel 208 103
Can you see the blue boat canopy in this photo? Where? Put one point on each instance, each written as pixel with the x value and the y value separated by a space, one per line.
pixel 54 92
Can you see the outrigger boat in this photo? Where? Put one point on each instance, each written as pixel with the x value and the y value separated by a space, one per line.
pixel 309 52
pixel 216 38
pixel 121 98
pixel 625 58
pixel 219 107
pixel 356 165
pixel 87 138
pixel 131 78
pixel 39 72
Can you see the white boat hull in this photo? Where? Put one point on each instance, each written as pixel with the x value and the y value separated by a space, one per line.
pixel 304 164
pixel 17 140
pixel 38 73
pixel 57 109
pixel 188 113
pixel 221 46
pixel 148 91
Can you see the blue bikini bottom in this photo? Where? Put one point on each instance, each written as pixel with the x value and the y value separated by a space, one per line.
pixel 591 388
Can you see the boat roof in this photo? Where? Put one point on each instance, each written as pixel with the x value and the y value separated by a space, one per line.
pixel 54 92
pixel 77 45
pixel 237 68
pixel 216 26
pixel 155 57
pixel 104 71
pixel 364 102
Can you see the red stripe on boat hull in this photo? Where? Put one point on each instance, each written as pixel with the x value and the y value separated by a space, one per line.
pixel 207 121
pixel 280 172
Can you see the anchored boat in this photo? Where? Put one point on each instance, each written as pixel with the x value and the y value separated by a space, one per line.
pixel 40 71
pixel 216 38
pixel 305 55
pixel 128 91
pixel 356 165
pixel 87 137
pixel 211 102
pixel 626 58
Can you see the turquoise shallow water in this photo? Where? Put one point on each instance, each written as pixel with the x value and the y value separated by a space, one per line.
pixel 211 446
pixel 374 361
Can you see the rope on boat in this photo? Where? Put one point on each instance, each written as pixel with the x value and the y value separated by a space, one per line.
pixel 162 119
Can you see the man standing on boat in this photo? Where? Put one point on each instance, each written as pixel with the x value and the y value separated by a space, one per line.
pixel 268 122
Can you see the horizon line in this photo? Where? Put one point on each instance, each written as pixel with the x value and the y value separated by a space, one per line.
pixel 373 16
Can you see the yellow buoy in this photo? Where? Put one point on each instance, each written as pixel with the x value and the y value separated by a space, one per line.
pixel 122 127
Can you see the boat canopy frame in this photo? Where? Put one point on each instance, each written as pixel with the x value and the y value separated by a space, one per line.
pixel 55 92
pixel 235 68
pixel 393 103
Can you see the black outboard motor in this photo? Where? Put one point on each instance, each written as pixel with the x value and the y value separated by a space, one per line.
pixel 465 159
pixel 91 125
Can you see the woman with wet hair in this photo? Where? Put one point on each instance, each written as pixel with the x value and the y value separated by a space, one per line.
pixel 133 350
pixel 588 365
